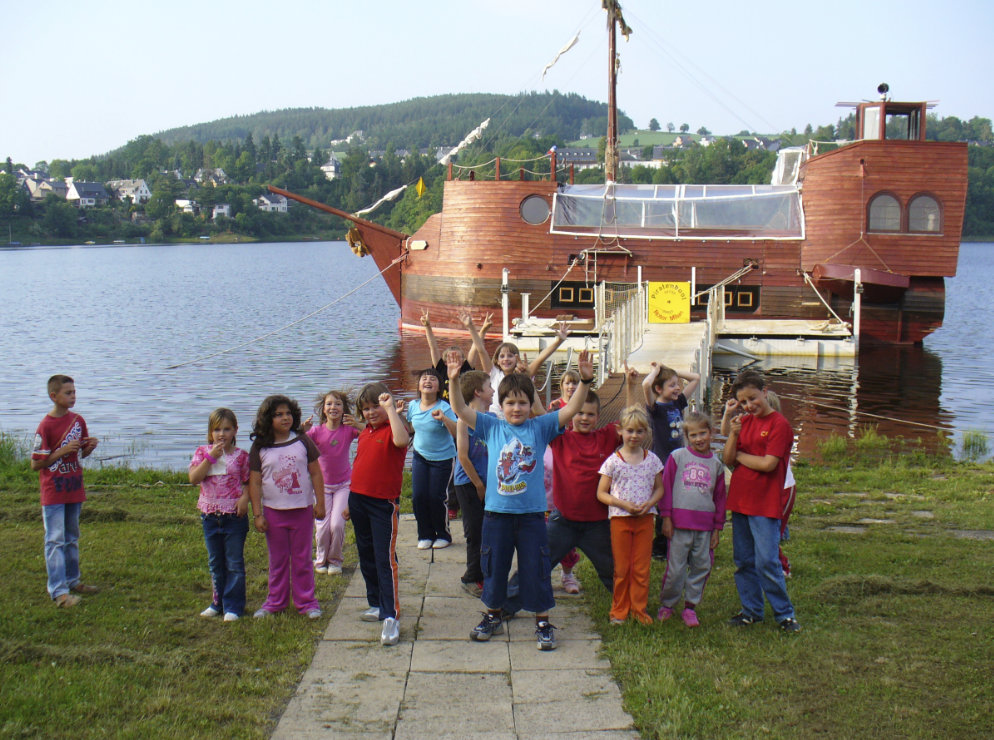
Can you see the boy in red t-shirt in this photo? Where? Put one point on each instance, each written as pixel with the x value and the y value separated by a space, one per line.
pixel 579 520
pixel 758 447
pixel 60 441
pixel 374 504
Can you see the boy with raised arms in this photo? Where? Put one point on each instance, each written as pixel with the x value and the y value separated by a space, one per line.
pixel 514 507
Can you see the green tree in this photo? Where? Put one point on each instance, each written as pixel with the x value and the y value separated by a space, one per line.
pixel 85 172
pixel 684 128
pixel 670 127
pixel 162 204
pixel 60 219
pixel 8 195
pixel 653 124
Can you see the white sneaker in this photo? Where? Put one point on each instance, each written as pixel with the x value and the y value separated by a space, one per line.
pixel 314 614
pixel 391 631
pixel 372 614
pixel 440 544
pixel 320 568
pixel 424 544
pixel 334 570
pixel 210 612
pixel 230 617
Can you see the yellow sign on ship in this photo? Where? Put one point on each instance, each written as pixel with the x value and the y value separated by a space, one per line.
pixel 669 303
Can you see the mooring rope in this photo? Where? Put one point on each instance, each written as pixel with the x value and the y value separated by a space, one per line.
pixel 292 323
pixel 805 399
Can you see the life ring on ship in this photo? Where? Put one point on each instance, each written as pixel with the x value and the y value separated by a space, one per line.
pixel 355 242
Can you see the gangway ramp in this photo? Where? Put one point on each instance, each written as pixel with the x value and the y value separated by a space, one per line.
pixel 679 346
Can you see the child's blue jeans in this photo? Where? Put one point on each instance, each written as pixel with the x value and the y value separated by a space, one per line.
pixel 61 546
pixel 224 535
pixel 755 549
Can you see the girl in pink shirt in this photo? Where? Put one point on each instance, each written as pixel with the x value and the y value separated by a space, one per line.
pixel 222 470
pixel 334 435
pixel 283 476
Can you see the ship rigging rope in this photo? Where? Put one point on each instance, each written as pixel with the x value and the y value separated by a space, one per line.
pixel 292 323
pixel 862 234
pixel 809 281
pixel 807 400
pixel 492 161
pixel 730 279
pixel 569 269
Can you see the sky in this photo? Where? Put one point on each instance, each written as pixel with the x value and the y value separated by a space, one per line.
pixel 81 79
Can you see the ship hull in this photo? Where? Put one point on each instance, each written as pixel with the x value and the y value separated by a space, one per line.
pixel 480 231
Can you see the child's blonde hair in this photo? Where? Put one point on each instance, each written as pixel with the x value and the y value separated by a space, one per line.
pixel 638 417
pixel 568 375
pixel 696 419
pixel 342 396
pixel 773 399
pixel 217 417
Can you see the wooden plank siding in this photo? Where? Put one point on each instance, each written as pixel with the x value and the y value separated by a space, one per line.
pixel 838 186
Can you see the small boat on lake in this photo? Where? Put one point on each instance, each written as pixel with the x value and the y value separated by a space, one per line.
pixel 887 207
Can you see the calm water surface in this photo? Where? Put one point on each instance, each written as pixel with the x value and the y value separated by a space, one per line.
pixel 116 318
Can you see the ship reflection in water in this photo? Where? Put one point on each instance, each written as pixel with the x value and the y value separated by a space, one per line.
pixel 896 390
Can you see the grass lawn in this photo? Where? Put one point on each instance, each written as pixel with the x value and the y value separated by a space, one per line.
pixel 136 660
pixel 897 616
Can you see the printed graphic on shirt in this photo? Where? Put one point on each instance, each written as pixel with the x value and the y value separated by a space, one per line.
pixel 69 463
pixel 697 475
pixel 516 461
pixel 286 477
pixel 675 419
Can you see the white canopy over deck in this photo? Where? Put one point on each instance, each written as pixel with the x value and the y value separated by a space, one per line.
pixel 679 211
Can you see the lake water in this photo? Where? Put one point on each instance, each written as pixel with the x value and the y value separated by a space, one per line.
pixel 117 318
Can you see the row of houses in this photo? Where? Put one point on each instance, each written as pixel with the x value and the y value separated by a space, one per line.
pixel 90 194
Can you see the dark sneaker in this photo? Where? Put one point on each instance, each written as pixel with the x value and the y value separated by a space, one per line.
pixel 473 588
pixel 546 634
pixel 790 625
pixel 742 620
pixel 489 626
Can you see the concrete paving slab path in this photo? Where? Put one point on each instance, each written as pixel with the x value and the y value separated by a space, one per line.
pixel 437 683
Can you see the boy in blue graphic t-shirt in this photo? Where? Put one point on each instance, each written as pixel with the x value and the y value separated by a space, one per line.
pixel 514 507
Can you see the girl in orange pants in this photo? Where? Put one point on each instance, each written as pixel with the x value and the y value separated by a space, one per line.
pixel 630 486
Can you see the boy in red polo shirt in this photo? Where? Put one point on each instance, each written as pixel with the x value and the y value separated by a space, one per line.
pixel 374 504
pixel 758 447
pixel 60 441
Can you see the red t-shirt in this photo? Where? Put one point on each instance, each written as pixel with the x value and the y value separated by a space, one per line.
pixel 578 459
pixel 378 468
pixel 62 481
pixel 754 493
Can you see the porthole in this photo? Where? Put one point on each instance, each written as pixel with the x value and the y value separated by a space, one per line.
pixel 534 210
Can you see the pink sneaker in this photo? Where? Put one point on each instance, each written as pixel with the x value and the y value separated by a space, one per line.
pixel 664 613
pixel 690 618
pixel 570 584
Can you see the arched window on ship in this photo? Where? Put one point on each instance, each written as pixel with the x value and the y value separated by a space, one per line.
pixel 924 215
pixel 884 213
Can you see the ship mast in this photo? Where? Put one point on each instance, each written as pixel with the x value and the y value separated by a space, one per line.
pixel 614 17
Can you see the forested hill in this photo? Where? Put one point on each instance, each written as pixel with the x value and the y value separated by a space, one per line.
pixel 442 120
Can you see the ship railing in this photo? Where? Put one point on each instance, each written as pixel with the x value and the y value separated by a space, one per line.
pixel 621 313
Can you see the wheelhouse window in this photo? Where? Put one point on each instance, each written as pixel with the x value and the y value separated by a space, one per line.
pixel 924 215
pixel 884 213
